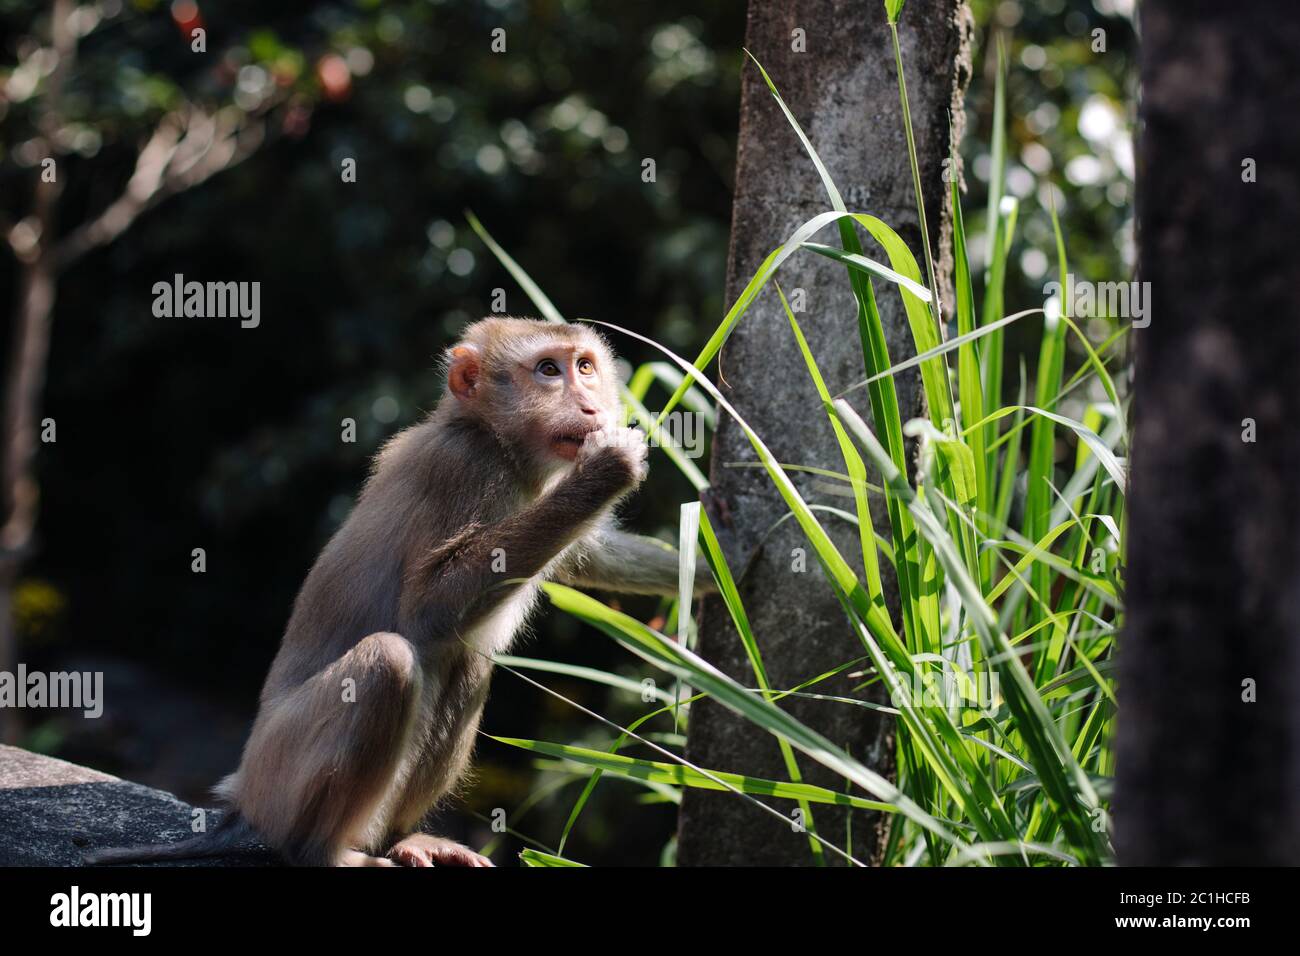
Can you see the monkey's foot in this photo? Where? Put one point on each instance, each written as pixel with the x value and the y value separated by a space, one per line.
pixel 423 849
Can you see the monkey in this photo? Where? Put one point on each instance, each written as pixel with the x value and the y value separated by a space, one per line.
pixel 368 714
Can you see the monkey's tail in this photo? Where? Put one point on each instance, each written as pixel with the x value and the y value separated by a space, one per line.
pixel 231 831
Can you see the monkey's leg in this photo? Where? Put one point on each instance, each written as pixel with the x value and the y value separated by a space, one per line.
pixel 455 589
pixel 326 755
pixel 441 763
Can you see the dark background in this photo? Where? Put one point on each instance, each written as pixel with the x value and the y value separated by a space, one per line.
pixel 175 434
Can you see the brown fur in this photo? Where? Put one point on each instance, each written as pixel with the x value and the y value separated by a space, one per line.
pixel 369 712
pixel 403 600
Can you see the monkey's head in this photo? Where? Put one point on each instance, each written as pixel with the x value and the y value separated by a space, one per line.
pixel 540 386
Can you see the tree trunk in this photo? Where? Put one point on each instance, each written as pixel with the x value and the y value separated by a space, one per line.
pixel 844 92
pixel 25 372
pixel 1204 776
pixel 188 146
pixel 19 492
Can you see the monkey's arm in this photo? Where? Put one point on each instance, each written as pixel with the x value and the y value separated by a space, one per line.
pixel 614 560
pixel 464 579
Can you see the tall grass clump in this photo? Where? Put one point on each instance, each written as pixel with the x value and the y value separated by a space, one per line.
pixel 1008 565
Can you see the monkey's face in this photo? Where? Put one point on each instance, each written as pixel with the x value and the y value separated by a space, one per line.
pixel 566 387
pixel 541 389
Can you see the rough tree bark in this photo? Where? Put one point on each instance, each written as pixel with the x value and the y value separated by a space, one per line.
pixel 844 92
pixel 1205 777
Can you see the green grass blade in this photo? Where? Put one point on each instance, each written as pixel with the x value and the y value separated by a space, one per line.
pixel 538 858
pixel 1042 440
pixel 857 471
pixel 1094 441
pixel 935 305
pixel 656 771
pixel 1063 780
pixel 957 342
pixel 534 292
pixel 653 647
pixel 870 266
pixel 592 674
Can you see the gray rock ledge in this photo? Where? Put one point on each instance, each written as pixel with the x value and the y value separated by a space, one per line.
pixel 52 811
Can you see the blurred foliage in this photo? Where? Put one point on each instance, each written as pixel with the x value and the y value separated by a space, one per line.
pixel 1071 109
pixel 176 435
pixel 197 433
pixel 38 607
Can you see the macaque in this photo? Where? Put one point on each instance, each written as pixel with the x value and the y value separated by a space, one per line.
pixel 368 715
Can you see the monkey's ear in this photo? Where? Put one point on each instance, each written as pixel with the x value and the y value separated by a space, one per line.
pixel 463 375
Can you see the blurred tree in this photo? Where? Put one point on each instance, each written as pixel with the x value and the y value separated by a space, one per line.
pixel 177 433
pixel 189 143
pixel 1071 96
pixel 1209 732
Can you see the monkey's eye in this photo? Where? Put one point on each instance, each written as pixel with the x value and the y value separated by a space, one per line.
pixel 548 368
pixel 586 367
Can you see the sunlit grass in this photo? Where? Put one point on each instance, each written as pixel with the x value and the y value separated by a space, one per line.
pixel 1026 600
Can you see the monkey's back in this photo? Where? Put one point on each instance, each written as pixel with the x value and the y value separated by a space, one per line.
pixel 427 485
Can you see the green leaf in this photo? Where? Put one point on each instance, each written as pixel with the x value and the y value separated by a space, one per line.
pixel 1094 441
pixel 582 673
pixel 857 471
pixel 656 771
pixel 531 288
pixel 538 858
pixel 1063 779
pixel 652 646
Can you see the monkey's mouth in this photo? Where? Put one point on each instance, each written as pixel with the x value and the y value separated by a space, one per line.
pixel 566 446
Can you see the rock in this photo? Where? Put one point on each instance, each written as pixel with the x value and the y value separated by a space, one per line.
pixel 52 812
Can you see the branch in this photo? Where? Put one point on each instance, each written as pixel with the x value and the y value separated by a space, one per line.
pixel 188 147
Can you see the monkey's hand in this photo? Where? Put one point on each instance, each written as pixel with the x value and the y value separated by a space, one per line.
pixel 614 455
